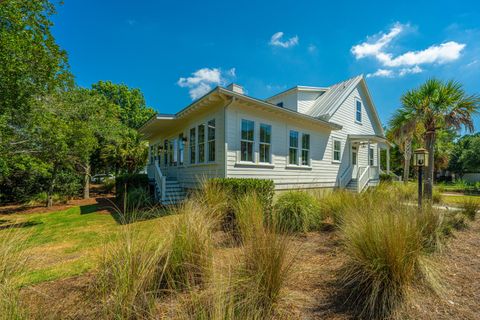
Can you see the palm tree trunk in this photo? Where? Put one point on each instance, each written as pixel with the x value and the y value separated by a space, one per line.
pixel 86 182
pixel 407 155
pixel 429 170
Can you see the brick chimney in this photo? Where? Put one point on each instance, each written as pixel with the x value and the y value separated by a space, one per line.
pixel 235 88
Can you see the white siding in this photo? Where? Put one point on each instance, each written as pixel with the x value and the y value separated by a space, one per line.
pixel 290 101
pixel 321 173
pixel 189 175
pixel 306 99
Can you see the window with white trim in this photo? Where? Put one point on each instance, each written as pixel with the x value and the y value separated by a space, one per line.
pixel 181 149
pixel 358 111
pixel 265 141
pixel 293 148
pixel 247 140
pixel 201 143
pixel 192 145
pixel 305 149
pixel 371 156
pixel 211 140
pixel 337 150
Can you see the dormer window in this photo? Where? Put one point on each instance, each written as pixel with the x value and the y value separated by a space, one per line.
pixel 280 104
pixel 358 111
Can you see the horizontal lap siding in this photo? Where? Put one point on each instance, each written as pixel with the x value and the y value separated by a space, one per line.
pixel 322 173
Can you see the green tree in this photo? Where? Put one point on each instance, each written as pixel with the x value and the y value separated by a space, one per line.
pixel 133 109
pixel 31 66
pixel 465 155
pixel 438 105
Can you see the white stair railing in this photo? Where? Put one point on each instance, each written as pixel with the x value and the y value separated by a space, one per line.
pixel 345 177
pixel 363 176
pixel 160 181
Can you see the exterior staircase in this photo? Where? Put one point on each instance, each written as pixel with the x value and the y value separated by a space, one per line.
pixel 352 185
pixel 174 193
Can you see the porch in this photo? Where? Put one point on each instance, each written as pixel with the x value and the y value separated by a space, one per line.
pixel 363 168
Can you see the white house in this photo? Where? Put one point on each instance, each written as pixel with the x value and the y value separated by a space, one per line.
pixel 304 137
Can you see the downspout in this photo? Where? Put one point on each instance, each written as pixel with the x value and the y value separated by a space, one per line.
pixel 225 152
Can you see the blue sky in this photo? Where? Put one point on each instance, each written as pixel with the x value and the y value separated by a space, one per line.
pixel 176 50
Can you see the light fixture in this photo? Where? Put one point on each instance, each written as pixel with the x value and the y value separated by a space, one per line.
pixel 420 157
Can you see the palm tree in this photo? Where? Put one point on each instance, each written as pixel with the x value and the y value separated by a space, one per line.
pixel 403 130
pixel 438 105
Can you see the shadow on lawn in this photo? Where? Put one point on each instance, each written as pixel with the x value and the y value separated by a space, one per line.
pixel 112 207
pixel 25 224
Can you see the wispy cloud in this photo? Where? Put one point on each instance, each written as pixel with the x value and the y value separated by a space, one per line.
pixel 312 48
pixel 381 73
pixel 203 80
pixel 377 47
pixel 131 22
pixel 276 40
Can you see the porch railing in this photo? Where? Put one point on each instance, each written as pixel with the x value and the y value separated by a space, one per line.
pixel 363 176
pixel 374 172
pixel 345 177
pixel 160 180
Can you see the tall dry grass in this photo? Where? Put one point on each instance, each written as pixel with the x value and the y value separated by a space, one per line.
pixel 13 259
pixel 387 246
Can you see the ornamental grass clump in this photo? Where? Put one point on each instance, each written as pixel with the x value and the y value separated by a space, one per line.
pixel 470 208
pixel 190 248
pixel 265 264
pixel 297 211
pixel 386 257
pixel 13 259
pixel 334 205
pixel 128 274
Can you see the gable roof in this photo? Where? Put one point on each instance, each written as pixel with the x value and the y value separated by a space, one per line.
pixel 329 102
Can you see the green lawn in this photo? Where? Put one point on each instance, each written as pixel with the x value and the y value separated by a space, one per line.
pixel 458 199
pixel 69 242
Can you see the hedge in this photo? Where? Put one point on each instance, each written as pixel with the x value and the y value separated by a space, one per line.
pixel 236 187
pixel 131 181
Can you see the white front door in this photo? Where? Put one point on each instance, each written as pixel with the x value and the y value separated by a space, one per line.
pixel 354 160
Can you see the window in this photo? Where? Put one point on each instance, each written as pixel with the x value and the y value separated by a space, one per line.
pixel 354 158
pixel 265 141
pixel 337 150
pixel 201 143
pixel 305 149
pixel 370 156
pixel 192 146
pixel 181 148
pixel 171 158
pixel 152 154
pixel 246 142
pixel 211 140
pixel 165 152
pixel 358 112
pixel 293 148
pixel 280 104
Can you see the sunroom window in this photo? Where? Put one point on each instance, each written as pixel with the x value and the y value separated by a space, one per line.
pixel 247 140
pixel 265 141
pixel 201 143
pixel 211 140
pixel 192 145
pixel 293 148
pixel 305 149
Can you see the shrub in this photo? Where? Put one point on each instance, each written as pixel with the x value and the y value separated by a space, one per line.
pixel 41 199
pixel 128 275
pixel 297 211
pixel 138 198
pixel 235 189
pixel 130 181
pixel 386 258
pixel 266 262
pixel 386 177
pixel 470 208
pixel 190 248
pixel 13 260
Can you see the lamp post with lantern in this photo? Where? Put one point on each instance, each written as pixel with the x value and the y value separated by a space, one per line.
pixel 420 160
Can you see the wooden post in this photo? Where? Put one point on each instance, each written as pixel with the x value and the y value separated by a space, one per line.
pixel 388 159
pixel 420 185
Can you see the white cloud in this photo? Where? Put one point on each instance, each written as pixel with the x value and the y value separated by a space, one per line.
pixel 443 53
pixel 381 73
pixel 276 40
pixel 374 45
pixel 413 70
pixel 410 61
pixel 312 48
pixel 203 80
